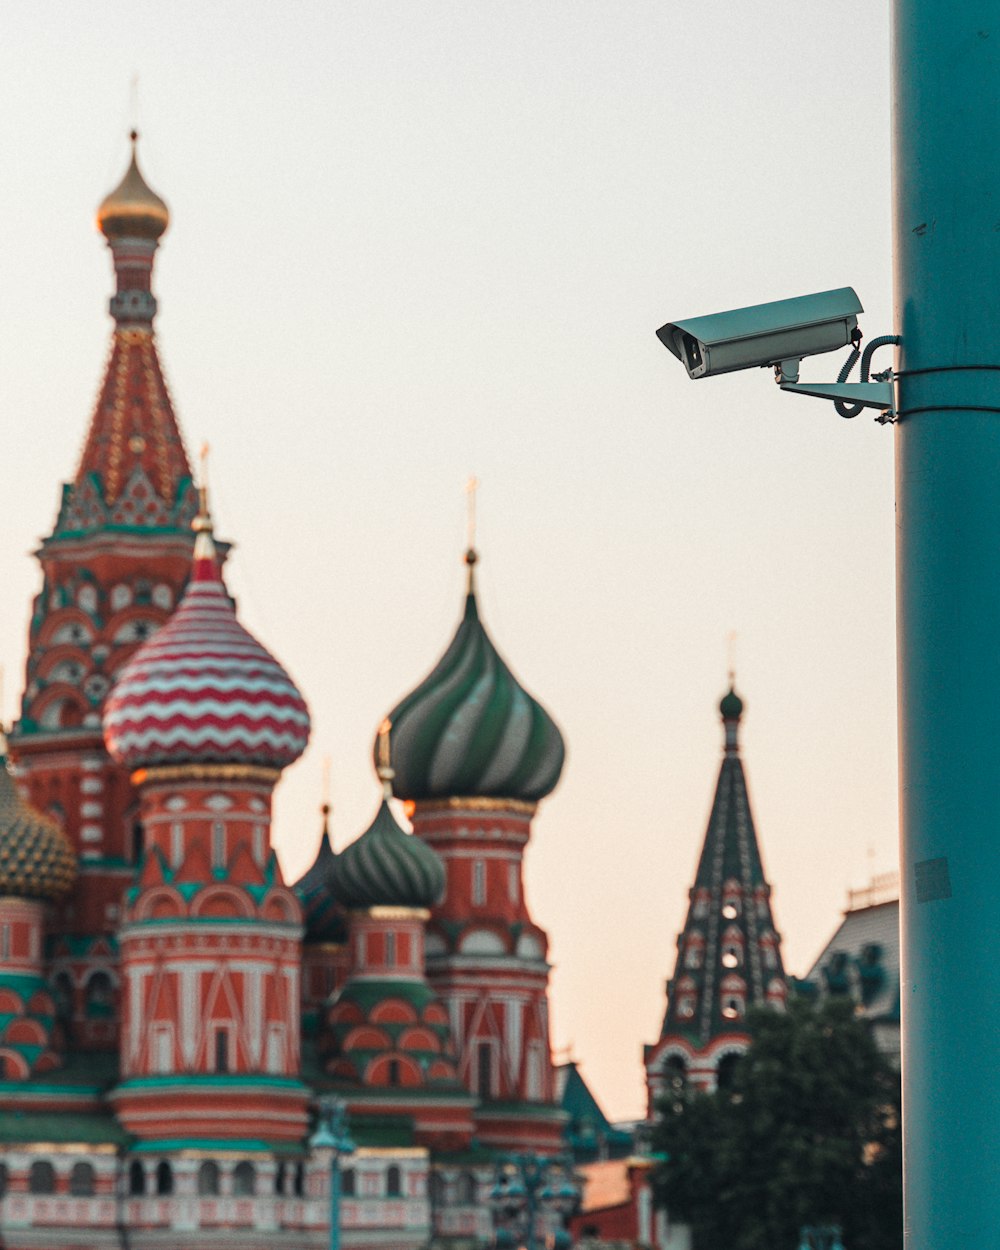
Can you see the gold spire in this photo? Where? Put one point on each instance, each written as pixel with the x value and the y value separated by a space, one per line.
pixel 132 210
pixel 471 555
pixel 204 547
pixel 383 755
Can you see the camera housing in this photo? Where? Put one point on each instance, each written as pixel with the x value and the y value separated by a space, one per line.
pixel 764 334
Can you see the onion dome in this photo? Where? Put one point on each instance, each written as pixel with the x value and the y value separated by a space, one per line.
pixel 203 690
pixel 132 210
pixel 323 918
pixel 36 860
pixel 470 729
pixel 387 867
pixel 731 707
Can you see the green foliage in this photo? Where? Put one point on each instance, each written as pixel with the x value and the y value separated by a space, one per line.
pixel 808 1132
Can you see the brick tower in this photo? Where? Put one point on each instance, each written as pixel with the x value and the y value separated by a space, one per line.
pixel 392 1049
pixel 113 569
pixel 205 719
pixel 473 754
pixel 728 953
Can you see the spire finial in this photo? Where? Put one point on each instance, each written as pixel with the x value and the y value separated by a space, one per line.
pixel 731 638
pixel 204 547
pixel 133 109
pixel 325 807
pixel 383 755
pixel 471 555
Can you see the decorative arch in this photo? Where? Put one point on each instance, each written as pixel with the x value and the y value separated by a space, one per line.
pixel 159 904
pixel 281 906
pixel 382 1069
pixel 14 1065
pixel 482 942
pixel 61 706
pixel 25 1032
pixel 67 626
pixel 11 1003
pixel 419 1039
pixel 63 653
pixel 367 1038
pixel 393 1011
pixel 222 902
pixel 530 947
pixel 346 1013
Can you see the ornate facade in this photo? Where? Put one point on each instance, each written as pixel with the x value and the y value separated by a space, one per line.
pixel 729 952
pixel 170 1009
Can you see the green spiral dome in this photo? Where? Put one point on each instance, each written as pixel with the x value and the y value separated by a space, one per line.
pixel 386 867
pixel 36 860
pixel 471 730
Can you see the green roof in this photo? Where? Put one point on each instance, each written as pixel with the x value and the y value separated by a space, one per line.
pixel 62 1127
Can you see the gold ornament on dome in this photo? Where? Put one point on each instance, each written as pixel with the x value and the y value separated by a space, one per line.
pixel 36 860
pixel 132 210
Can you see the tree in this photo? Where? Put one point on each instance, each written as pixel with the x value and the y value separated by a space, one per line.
pixel 807 1132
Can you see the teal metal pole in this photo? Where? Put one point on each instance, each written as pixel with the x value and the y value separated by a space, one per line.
pixel 946 169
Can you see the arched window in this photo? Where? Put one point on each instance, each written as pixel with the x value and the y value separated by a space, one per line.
pixel 393 1182
pixel 208 1179
pixel 100 996
pixel 42 1178
pixel 675 1073
pixel 726 1071
pixel 3 1179
pixel 279 1178
pixel 299 1180
pixel 437 1189
pixel 347 1184
pixel 81 1180
pixel 465 1190
pixel 164 1178
pixel 484 1070
pixel 136 1177
pixel 244 1179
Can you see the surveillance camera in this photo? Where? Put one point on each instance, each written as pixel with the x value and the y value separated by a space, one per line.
pixel 765 334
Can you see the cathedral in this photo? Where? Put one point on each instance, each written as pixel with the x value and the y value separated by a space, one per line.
pixel 172 1012
pixel 175 1017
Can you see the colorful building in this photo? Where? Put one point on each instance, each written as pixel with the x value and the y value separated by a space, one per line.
pixel 171 1010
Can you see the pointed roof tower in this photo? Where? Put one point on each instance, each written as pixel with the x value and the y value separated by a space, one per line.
pixel 134 472
pixel 728 953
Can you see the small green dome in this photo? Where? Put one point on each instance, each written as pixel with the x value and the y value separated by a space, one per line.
pixel 36 860
pixel 731 706
pixel 471 730
pixel 386 867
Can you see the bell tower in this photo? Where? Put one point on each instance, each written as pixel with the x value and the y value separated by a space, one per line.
pixel 113 569
pixel 729 952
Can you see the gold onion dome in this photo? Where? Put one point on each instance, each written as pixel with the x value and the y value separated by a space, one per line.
pixel 132 210
pixel 36 860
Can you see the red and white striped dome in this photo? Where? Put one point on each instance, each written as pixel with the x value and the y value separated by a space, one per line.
pixel 203 690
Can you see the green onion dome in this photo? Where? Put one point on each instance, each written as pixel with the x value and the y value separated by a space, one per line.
pixel 386 867
pixel 731 706
pixel 470 729
pixel 36 860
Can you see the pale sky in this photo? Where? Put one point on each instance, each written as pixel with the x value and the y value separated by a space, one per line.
pixel 412 242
